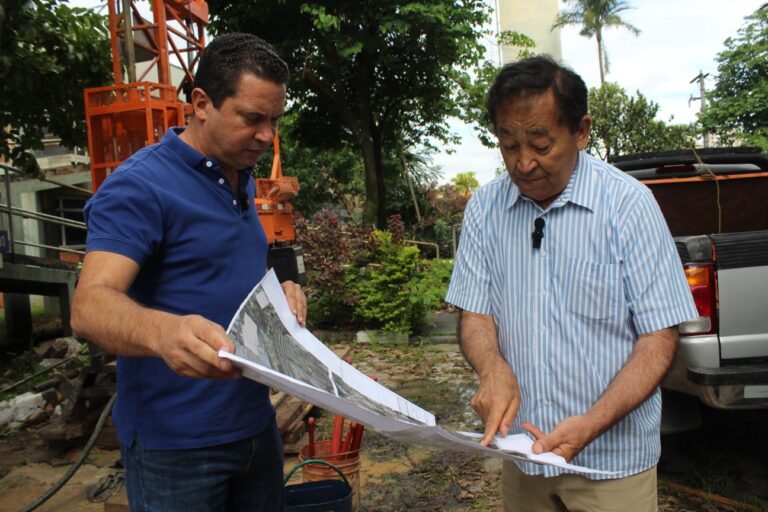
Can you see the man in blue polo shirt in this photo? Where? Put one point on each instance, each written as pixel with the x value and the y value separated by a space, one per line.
pixel 172 250
pixel 571 291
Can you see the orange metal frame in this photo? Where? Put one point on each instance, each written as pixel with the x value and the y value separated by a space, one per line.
pixel 705 177
pixel 272 196
pixel 125 117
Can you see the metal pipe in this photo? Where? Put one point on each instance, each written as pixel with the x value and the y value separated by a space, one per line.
pixel 10 215
pixel 416 242
pixel 52 247
pixel 67 185
pixel 44 217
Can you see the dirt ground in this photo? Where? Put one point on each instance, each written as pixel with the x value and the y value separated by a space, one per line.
pixel 722 467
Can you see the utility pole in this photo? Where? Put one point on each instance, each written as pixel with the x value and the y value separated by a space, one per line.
pixel 703 97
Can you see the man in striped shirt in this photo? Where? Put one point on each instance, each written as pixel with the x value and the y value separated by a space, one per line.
pixel 571 291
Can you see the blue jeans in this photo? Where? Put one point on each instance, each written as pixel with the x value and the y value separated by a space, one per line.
pixel 243 476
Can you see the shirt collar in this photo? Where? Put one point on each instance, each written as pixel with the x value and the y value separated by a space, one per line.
pixel 577 191
pixel 192 157
pixel 187 153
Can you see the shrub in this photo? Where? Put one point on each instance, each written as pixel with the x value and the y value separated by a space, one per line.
pixel 386 288
pixel 358 278
pixel 331 251
pixel 431 283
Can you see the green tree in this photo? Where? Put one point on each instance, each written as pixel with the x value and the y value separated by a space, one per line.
pixel 474 87
pixel 465 182
pixel 623 124
pixel 49 53
pixel 594 16
pixel 379 74
pixel 737 108
pixel 327 178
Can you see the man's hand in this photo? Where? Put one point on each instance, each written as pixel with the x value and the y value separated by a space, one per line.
pixel 498 397
pixel 297 301
pixel 650 359
pixel 567 439
pixel 190 347
pixel 497 401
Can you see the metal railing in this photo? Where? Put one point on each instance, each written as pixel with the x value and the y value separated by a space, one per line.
pixel 43 217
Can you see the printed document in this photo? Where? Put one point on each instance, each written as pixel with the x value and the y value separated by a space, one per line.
pixel 273 349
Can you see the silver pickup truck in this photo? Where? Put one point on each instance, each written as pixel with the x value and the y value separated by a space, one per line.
pixel 715 202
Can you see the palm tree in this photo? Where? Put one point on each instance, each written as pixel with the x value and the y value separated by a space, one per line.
pixel 465 182
pixel 594 16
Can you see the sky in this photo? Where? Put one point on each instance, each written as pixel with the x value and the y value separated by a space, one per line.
pixel 678 39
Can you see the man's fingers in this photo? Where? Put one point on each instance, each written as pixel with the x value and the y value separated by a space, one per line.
pixel 297 301
pixel 544 442
pixel 213 338
pixel 533 429
pixel 491 426
pixel 509 418
pixel 193 349
pixel 490 433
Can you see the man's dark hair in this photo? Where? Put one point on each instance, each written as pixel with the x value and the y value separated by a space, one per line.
pixel 537 75
pixel 228 56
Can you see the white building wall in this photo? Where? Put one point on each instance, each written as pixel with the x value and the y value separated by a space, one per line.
pixel 533 18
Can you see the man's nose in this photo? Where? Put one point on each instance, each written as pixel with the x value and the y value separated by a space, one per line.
pixel 526 162
pixel 265 133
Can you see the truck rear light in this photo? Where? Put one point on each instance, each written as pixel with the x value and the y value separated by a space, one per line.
pixel 701 280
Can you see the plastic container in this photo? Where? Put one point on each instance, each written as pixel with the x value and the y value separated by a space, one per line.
pixel 320 495
pixel 347 463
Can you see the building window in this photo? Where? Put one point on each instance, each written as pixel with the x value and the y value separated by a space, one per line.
pixel 72 208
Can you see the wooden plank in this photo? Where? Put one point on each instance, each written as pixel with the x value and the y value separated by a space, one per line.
pixel 118 502
pixel 290 410
pixel 277 398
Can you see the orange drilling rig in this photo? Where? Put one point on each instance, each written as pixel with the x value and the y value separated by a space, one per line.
pixel 136 112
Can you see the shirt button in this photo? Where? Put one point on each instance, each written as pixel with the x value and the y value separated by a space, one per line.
pixel 234 202
pixel 221 180
pixel 208 164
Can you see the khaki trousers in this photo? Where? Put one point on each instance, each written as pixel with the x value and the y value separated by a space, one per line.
pixel 575 493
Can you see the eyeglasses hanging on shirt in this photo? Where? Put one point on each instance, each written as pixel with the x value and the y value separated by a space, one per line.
pixel 538 232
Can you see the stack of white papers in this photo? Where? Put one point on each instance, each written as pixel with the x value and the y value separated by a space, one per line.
pixel 273 349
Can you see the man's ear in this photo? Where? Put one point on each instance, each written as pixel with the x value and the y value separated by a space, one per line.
pixel 582 135
pixel 201 102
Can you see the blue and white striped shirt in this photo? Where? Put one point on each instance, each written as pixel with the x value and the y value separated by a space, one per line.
pixel 568 314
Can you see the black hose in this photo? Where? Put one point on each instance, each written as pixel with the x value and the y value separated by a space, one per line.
pixel 37 374
pixel 73 469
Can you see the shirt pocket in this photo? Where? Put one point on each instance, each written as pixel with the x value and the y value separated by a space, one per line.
pixel 593 291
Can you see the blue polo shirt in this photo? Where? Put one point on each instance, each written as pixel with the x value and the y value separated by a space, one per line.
pixel 170 209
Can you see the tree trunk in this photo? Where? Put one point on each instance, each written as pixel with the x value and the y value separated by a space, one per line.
pixel 381 183
pixel 371 205
pixel 599 38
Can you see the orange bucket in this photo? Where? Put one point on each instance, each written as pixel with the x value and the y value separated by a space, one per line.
pixel 348 463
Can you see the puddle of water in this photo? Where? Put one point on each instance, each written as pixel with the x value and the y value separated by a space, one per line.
pixel 448 401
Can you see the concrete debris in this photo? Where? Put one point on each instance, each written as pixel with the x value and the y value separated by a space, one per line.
pixel 59 348
pixel 15 412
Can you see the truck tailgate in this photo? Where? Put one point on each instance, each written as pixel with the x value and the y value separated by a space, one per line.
pixel 742 274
